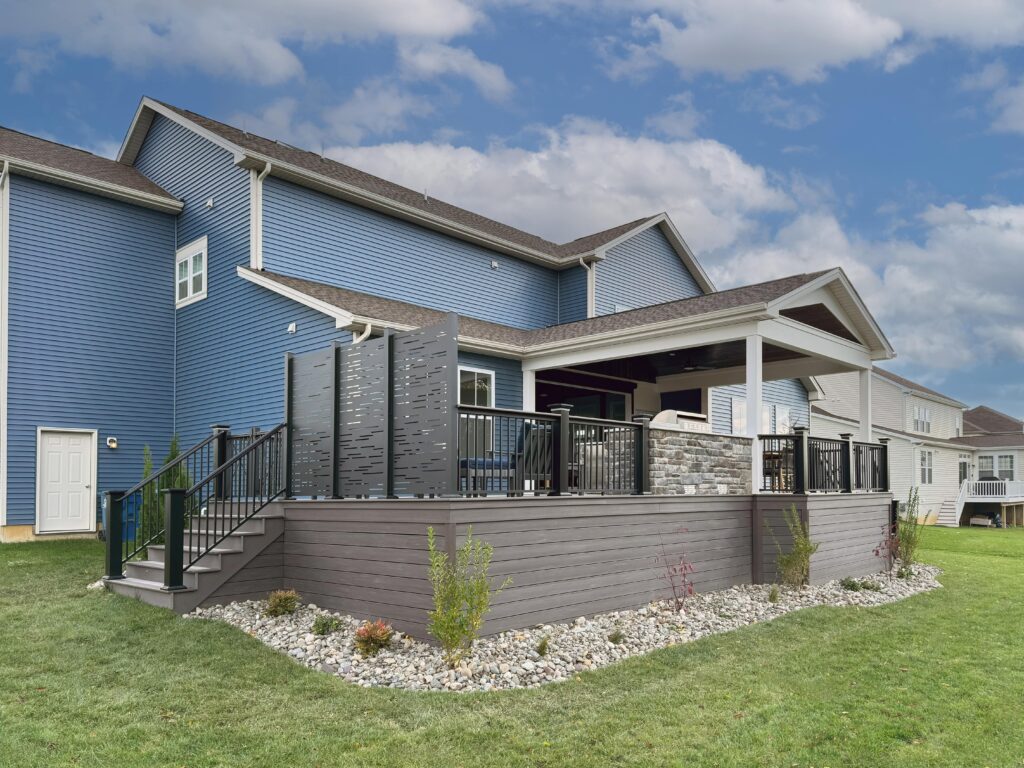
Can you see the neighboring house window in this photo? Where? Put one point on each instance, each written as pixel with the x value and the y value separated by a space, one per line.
pixel 922 419
pixel 783 421
pixel 476 387
pixel 927 462
pixel 767 413
pixel 1005 468
pixel 986 467
pixel 190 273
pixel 739 415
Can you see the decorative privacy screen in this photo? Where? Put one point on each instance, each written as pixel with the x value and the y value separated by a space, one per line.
pixel 377 418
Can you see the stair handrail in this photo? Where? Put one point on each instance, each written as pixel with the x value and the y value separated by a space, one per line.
pixel 173 464
pixel 259 469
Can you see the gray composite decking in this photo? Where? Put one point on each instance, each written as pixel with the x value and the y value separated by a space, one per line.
pixel 566 556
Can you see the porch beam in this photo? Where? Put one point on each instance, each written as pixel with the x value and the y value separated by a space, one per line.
pixel 798 337
pixel 865 405
pixel 755 383
pixel 782 369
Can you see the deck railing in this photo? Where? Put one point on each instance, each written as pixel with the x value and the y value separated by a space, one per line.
pixel 993 489
pixel 799 463
pixel 519 453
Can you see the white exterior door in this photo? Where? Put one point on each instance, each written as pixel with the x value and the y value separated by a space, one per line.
pixel 66 476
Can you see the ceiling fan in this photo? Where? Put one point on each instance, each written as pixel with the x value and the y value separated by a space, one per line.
pixel 691 366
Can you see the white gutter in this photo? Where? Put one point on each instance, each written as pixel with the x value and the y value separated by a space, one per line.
pixel 362 336
pixel 5 209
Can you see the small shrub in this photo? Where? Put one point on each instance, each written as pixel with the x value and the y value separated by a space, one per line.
pixel 281 602
pixel 325 625
pixel 542 646
pixel 773 594
pixel 908 529
pixel 677 572
pixel 462 594
pixel 870 586
pixel 795 566
pixel 850 585
pixel 616 637
pixel 372 636
pixel 905 572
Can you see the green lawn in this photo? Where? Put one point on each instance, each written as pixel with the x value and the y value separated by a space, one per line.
pixel 91 679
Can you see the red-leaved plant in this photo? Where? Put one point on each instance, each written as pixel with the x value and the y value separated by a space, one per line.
pixel 888 548
pixel 677 572
pixel 372 636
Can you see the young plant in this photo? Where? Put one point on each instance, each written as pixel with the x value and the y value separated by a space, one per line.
pixel 850 584
pixel 773 594
pixel 616 637
pixel 372 637
pixel 325 625
pixel 795 566
pixel 462 594
pixel 888 548
pixel 908 529
pixel 281 602
pixel 677 571
pixel 542 646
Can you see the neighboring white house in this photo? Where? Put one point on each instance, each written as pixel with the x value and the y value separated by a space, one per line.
pixel 927 447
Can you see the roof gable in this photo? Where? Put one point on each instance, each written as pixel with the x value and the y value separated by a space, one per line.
pixel 340 180
pixel 913 386
pixel 983 419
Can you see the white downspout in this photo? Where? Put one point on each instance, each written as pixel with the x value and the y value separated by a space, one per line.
pixel 257 262
pixel 591 286
pixel 364 335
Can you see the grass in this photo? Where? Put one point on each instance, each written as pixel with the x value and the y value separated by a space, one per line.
pixel 92 679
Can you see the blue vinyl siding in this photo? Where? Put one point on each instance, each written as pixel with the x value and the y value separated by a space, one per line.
pixel 642 271
pixel 572 295
pixel 508 378
pixel 91 324
pixel 317 237
pixel 230 345
pixel 784 393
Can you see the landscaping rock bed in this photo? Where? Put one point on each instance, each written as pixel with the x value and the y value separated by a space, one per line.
pixel 511 659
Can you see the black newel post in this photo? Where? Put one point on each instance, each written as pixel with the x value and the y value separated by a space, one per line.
pixel 883 465
pixel 220 455
pixel 642 482
pixel 115 506
pixel 801 460
pixel 174 538
pixel 846 463
pixel 561 450
pixel 288 358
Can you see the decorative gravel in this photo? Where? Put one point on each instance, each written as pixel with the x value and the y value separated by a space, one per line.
pixel 511 659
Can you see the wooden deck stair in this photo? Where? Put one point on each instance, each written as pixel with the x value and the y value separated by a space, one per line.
pixel 144 578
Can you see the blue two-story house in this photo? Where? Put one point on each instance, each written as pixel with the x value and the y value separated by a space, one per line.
pixel 157 295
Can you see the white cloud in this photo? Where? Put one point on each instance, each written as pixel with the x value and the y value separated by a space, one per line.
pixel 248 39
pixel 779 110
pixel 993 75
pixel 1006 102
pixel 585 176
pixel 427 61
pixel 680 120
pixel 803 39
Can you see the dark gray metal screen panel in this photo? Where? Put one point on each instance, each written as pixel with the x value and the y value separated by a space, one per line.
pixel 425 416
pixel 363 419
pixel 310 424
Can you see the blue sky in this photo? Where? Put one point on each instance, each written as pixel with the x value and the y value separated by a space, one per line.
pixel 781 135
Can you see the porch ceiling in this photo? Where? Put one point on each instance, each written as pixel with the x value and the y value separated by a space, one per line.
pixel 710 357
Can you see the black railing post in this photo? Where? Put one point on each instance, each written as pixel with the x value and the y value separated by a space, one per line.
pixel 642 482
pixel 561 450
pixel 220 455
pixel 174 539
pixel 115 507
pixel 336 490
pixel 883 464
pixel 389 419
pixel 288 363
pixel 846 463
pixel 801 460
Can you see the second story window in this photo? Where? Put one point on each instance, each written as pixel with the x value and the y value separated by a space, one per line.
pixel 927 462
pixel 922 419
pixel 190 273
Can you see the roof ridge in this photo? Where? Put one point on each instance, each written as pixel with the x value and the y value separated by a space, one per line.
pixel 56 143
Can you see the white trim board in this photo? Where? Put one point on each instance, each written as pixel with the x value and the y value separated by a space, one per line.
pixel 92 487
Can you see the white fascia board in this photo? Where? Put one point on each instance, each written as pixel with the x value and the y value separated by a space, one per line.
pixel 890 434
pixel 89 184
pixel 799 337
pixel 143 120
pixel 342 319
pixel 941 399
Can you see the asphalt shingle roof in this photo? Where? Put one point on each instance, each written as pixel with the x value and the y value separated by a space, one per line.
pixel 332 169
pixel 985 419
pixel 22 146
pixel 403 313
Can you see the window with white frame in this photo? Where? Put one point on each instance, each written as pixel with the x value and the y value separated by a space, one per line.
pixel 739 415
pixel 190 273
pixel 476 388
pixel 783 421
pixel 986 467
pixel 767 418
pixel 922 419
pixel 1005 468
pixel 927 463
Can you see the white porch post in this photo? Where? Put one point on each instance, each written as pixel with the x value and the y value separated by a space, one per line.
pixel 754 399
pixel 865 405
pixel 529 391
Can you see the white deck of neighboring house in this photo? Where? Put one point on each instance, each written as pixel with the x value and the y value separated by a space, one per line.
pixel 1007 493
